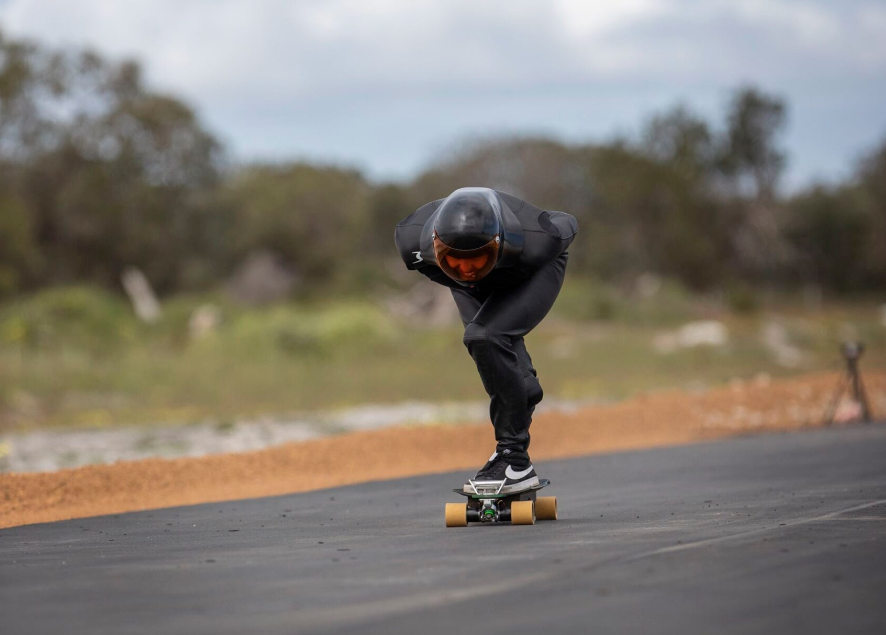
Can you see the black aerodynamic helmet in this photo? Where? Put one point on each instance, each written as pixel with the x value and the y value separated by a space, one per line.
pixel 468 234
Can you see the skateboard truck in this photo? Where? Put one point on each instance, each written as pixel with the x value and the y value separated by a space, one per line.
pixel 487 504
pixel 488 512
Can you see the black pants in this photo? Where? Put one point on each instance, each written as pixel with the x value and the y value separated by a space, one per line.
pixel 494 328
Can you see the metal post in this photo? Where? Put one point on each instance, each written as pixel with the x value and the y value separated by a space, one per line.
pixel 858 389
pixel 851 377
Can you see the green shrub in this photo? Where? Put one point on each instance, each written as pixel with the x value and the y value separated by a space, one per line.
pixel 671 304
pixel 589 299
pixel 81 317
pixel 741 299
pixel 586 299
pixel 294 331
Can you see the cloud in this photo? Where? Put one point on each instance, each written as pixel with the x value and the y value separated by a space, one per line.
pixel 305 48
pixel 317 70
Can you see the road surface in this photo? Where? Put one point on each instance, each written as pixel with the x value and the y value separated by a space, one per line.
pixel 777 533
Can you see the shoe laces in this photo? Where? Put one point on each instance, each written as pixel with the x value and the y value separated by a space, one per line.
pixel 492 466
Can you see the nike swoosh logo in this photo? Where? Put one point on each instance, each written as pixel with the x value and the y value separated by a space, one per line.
pixel 510 473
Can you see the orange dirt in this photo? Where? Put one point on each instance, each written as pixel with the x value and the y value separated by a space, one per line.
pixel 657 419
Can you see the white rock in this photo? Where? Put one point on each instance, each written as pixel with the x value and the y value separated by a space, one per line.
pixel 776 339
pixel 141 294
pixel 701 333
pixel 204 320
pixel 648 285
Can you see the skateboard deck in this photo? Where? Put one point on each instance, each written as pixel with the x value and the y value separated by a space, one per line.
pixel 487 505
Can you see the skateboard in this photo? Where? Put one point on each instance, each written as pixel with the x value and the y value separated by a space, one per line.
pixel 486 505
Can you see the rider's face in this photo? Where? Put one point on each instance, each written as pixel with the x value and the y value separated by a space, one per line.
pixel 468 267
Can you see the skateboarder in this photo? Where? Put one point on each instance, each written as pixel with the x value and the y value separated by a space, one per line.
pixel 504 261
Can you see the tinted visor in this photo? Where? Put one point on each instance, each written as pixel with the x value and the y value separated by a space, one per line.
pixel 467 265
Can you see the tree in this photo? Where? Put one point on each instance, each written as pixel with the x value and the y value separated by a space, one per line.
pixel 829 229
pixel 19 255
pixel 871 177
pixel 751 153
pixel 752 161
pixel 316 218
pixel 110 173
pixel 680 138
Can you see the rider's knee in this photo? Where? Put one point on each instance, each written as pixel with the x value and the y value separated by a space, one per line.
pixel 534 392
pixel 476 334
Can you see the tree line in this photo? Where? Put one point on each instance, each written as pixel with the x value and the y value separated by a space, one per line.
pixel 99 173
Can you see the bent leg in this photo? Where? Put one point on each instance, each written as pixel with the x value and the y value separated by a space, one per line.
pixel 494 338
pixel 468 307
pixel 502 378
pixel 534 393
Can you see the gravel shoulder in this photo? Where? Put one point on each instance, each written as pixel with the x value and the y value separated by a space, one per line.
pixel 657 419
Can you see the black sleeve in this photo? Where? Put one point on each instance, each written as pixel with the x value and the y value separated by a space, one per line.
pixel 547 236
pixel 407 234
pixel 562 225
pixel 407 238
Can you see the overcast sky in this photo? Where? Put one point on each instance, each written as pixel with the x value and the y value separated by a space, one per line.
pixel 386 86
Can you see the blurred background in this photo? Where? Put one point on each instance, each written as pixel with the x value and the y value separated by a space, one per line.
pixel 197 203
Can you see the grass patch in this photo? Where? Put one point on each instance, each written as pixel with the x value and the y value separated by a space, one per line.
pixel 77 357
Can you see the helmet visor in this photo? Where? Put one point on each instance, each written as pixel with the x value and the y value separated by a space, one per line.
pixel 467 265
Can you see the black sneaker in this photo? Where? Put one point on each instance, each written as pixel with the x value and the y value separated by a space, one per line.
pixel 503 475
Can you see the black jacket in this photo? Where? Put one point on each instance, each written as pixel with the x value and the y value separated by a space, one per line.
pixel 546 235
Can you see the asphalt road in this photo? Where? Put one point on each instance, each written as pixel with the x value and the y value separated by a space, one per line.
pixel 782 534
